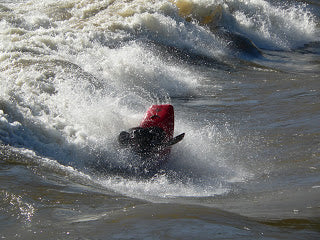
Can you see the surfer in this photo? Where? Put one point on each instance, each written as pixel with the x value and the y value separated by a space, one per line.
pixel 155 133
pixel 143 140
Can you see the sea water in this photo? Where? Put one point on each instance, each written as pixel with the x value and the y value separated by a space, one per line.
pixel 243 77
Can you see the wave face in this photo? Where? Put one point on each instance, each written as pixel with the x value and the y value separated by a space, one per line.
pixel 75 73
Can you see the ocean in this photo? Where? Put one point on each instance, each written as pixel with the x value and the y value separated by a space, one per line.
pixel 243 77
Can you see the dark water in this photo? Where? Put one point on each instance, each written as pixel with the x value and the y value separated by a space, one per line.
pixel 243 77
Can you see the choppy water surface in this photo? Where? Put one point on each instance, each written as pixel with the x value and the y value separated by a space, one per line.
pixel 243 77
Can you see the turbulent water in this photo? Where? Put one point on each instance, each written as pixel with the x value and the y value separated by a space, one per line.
pixel 243 77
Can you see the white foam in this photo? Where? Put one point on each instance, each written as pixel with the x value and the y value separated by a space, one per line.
pixel 161 187
pixel 69 84
pixel 274 26
pixel 269 25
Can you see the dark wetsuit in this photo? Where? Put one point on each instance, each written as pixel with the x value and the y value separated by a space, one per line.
pixel 143 140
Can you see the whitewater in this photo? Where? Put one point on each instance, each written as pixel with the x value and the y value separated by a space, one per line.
pixel 243 77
